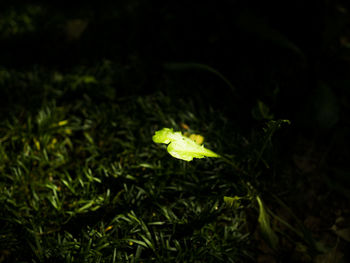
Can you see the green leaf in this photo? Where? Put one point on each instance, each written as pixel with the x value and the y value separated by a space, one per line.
pixel 180 146
pixel 232 201
pixel 264 222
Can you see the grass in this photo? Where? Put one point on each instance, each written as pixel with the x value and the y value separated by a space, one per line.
pixel 82 181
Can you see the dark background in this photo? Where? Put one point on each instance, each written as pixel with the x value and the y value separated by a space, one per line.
pixel 293 56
